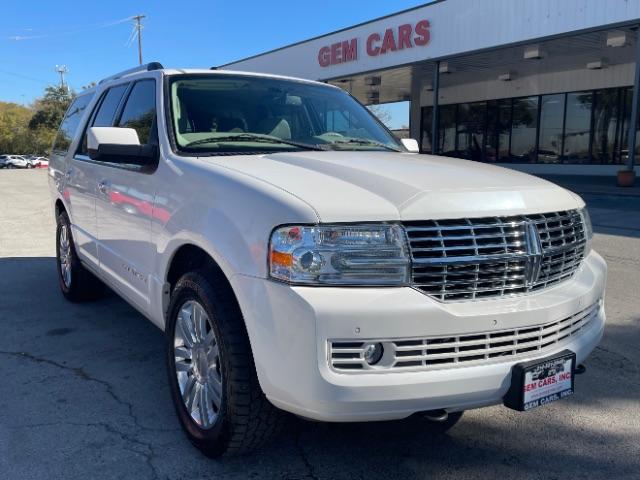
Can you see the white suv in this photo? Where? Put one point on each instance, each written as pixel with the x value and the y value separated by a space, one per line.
pixel 18 161
pixel 300 258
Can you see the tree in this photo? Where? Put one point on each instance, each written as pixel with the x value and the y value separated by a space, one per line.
pixel 50 109
pixel 26 130
pixel 14 131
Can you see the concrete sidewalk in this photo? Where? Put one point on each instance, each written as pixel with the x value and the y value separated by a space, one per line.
pixel 596 185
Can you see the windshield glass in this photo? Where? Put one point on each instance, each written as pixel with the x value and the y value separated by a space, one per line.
pixel 217 114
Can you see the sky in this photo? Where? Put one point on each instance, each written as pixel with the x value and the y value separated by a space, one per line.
pixel 90 37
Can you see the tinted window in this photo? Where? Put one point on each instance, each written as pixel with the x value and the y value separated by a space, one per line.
pixel 524 129
pixel 551 119
pixel 70 124
pixel 447 134
pixel 505 112
pixel 109 106
pixel 140 109
pixel 627 95
pixel 605 125
pixel 577 127
pixel 103 117
pixel 472 118
pixel 427 123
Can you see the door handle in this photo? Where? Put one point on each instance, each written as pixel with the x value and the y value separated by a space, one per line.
pixel 103 187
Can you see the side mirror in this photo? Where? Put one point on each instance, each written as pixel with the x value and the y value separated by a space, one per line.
pixel 118 145
pixel 411 145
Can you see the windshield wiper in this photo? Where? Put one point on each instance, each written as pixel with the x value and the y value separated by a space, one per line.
pixel 249 137
pixel 362 141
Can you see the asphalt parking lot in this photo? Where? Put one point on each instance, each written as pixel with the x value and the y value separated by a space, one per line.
pixel 84 391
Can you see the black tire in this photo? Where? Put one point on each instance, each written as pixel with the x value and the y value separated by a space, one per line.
pixel 439 428
pixel 83 285
pixel 245 418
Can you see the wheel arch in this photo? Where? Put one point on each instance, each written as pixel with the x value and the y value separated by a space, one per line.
pixel 60 208
pixel 190 257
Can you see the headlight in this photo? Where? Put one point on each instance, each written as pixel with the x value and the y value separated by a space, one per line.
pixel 588 228
pixel 340 255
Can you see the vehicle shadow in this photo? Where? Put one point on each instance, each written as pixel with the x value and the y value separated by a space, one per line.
pixel 87 382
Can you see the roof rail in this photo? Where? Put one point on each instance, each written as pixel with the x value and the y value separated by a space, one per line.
pixel 141 68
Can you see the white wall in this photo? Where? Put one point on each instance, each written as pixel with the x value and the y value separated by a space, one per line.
pixel 457 26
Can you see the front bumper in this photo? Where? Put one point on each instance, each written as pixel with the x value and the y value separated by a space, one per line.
pixel 289 329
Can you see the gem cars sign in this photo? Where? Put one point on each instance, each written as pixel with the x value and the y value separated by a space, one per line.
pixel 377 43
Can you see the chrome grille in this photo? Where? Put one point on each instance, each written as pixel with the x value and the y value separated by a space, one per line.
pixel 461 350
pixel 472 258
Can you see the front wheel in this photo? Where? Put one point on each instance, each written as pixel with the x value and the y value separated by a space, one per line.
pixel 212 378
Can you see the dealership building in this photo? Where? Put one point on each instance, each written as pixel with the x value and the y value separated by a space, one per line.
pixel 545 86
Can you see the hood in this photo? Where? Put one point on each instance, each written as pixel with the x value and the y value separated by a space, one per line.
pixel 378 186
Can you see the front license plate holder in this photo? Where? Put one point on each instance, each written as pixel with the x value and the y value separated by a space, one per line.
pixel 542 381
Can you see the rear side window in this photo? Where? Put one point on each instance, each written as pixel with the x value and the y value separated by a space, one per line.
pixel 105 113
pixel 109 106
pixel 70 124
pixel 140 110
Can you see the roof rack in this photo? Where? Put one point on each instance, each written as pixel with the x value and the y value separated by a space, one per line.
pixel 141 68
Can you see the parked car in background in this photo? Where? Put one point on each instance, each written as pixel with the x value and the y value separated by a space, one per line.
pixel 18 161
pixel 3 161
pixel 42 162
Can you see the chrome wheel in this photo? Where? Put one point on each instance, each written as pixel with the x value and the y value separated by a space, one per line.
pixel 197 364
pixel 64 250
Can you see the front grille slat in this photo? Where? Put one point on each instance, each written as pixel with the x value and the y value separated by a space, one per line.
pixel 473 258
pixel 461 350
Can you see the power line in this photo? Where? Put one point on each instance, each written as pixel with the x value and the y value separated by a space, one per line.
pixel 86 28
pixel 25 77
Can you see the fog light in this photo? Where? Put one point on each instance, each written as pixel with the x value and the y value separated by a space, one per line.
pixel 373 353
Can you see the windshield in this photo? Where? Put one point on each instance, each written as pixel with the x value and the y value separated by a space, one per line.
pixel 218 114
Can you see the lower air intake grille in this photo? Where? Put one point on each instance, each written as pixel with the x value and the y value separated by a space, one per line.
pixel 460 350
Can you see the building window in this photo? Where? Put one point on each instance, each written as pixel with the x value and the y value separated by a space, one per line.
pixel 524 129
pixel 606 127
pixel 551 123
pixel 577 128
pixel 498 131
pixel 627 95
pixel 427 122
pixel 472 121
pixel 447 133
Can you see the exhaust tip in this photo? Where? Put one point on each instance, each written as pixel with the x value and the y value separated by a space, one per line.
pixel 580 369
pixel 436 415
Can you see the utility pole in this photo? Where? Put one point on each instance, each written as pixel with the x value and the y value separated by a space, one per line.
pixel 62 70
pixel 138 28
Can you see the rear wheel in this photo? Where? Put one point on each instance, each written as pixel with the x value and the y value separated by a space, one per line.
pixel 214 386
pixel 77 284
